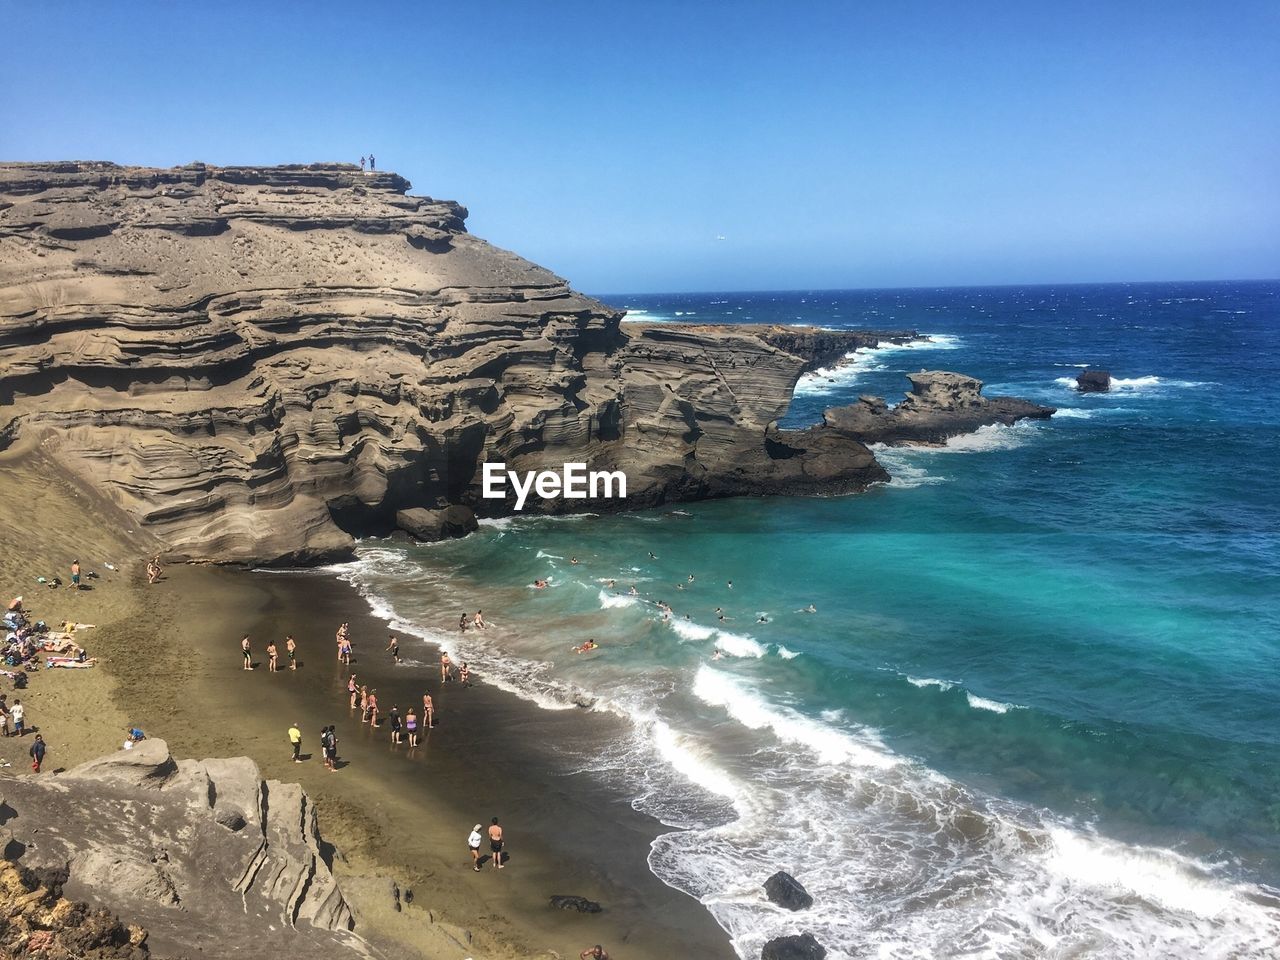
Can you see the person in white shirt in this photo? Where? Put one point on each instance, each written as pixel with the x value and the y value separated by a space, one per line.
pixel 473 843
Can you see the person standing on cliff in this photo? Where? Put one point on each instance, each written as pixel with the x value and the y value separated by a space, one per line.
pixel 37 753
pixel 373 164
pixel 362 164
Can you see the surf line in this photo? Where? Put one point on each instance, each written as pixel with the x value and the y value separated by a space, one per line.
pixel 572 482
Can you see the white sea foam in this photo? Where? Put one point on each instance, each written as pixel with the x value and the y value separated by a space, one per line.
pixel 738 645
pixel 612 601
pixel 995 706
pixel 748 707
pixel 786 654
pixel 930 682
pixel 858 363
pixel 1139 385
pixel 1073 413
pixel 692 631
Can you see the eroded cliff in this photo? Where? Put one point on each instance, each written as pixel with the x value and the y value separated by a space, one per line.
pixel 259 363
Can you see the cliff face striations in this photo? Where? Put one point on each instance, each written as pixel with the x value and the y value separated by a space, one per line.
pixel 258 363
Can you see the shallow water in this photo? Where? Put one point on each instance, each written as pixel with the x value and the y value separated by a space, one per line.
pixel 1035 713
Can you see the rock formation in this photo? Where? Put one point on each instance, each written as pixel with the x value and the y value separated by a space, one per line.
pixel 940 405
pixel 205 854
pixel 259 363
pixel 1093 381
pixel 800 947
pixel 786 891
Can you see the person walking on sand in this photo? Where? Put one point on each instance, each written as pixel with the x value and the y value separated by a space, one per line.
pixel 393 645
pixel 353 689
pixel 473 844
pixel 445 668
pixel 464 674
pixel 248 656
pixel 37 753
pixel 393 721
pixel 153 569
pixel 411 727
pixel 373 709
pixel 428 710
pixel 291 648
pixel 295 738
pixel 329 741
pixel 273 657
pixel 19 714
pixel 495 842
pixel 364 703
pixel 75 574
pixel 4 715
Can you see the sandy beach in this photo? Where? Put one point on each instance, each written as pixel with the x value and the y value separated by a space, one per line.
pixel 169 662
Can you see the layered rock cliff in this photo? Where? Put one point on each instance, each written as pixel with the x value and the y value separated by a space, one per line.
pixel 258 363
pixel 205 854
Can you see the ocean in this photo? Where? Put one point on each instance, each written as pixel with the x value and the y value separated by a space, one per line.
pixel 1036 709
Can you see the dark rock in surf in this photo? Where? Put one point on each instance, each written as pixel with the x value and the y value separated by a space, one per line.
pixel 785 890
pixel 802 947
pixel 581 904
pixel 1093 381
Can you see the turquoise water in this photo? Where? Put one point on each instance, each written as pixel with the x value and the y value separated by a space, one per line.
pixel 1035 712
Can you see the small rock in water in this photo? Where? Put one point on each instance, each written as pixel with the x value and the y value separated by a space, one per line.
pixel 785 890
pixel 803 947
pixel 1093 381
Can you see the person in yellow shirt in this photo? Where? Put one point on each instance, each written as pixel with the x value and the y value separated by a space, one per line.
pixel 295 738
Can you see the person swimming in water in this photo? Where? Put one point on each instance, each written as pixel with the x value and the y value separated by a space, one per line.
pixel 539 584
pixel 586 646
pixel 478 620
pixel 574 561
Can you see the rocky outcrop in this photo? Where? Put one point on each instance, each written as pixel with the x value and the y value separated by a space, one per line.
pixel 258 363
pixel 940 405
pixel 787 892
pixel 802 947
pixel 1093 381
pixel 37 921
pixel 205 854
pixel 432 525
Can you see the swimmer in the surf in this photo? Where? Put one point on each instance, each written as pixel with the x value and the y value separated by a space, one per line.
pixel 586 646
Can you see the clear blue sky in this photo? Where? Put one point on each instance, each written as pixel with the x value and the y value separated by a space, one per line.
pixel 837 144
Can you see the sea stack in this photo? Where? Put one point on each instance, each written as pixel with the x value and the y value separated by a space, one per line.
pixel 1093 381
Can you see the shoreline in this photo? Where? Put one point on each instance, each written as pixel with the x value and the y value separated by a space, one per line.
pixel 169 662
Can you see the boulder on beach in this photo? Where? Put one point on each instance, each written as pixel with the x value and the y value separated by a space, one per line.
pixel 430 525
pixel 802 947
pixel 786 891
pixel 1093 381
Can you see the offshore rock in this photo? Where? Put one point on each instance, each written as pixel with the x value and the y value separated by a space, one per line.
pixel 1093 381
pixel 204 854
pixel 259 364
pixel 940 405
pixel 786 891
pixel 802 947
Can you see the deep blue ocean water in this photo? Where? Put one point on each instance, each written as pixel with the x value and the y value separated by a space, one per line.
pixel 1037 709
